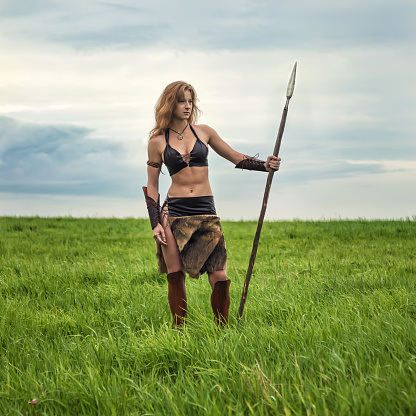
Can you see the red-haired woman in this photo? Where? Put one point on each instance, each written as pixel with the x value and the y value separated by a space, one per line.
pixel 186 229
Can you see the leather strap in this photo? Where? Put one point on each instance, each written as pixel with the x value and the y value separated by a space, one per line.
pixel 251 163
pixel 153 208
pixel 154 164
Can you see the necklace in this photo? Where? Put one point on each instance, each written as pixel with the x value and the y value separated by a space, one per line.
pixel 180 137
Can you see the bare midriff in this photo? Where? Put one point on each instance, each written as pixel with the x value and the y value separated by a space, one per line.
pixel 189 182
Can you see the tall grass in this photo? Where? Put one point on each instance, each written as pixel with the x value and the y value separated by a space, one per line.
pixel 328 328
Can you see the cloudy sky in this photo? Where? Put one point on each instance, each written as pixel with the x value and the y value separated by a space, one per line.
pixel 79 81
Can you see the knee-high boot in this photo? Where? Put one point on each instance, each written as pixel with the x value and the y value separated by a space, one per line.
pixel 220 301
pixel 177 297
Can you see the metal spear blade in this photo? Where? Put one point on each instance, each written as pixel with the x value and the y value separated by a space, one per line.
pixel 291 85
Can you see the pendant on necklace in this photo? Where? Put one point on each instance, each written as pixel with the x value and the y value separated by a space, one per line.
pixel 180 137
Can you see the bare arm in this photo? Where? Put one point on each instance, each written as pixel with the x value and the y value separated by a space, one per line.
pixel 227 152
pixel 221 147
pixel 153 174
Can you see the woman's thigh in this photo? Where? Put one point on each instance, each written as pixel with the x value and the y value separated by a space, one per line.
pixel 170 251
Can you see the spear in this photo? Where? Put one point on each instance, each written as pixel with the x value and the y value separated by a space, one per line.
pixel 289 94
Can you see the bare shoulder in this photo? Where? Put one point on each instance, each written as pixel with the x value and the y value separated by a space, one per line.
pixel 220 146
pixel 205 133
pixel 155 147
pixel 204 128
pixel 157 142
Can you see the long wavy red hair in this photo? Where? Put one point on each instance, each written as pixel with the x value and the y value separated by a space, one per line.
pixel 165 105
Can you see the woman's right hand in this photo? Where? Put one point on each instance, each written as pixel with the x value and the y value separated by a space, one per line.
pixel 159 235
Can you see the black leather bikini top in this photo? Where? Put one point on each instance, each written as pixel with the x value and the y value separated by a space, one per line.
pixel 175 162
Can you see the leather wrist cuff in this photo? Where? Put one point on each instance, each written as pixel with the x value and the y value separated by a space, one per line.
pixel 251 163
pixel 153 207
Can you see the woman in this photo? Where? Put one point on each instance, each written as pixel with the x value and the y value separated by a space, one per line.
pixel 187 230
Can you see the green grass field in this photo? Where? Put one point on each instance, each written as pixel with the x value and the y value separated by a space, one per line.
pixel 329 326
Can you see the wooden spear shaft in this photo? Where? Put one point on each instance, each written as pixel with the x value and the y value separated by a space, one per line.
pixel 289 94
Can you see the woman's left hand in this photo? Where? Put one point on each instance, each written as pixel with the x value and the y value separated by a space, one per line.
pixel 272 162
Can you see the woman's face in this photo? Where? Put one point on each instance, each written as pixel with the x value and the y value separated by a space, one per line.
pixel 183 108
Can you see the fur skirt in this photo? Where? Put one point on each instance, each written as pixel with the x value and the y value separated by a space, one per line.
pixel 201 244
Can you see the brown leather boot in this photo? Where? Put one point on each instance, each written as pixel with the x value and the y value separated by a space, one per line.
pixel 220 301
pixel 177 297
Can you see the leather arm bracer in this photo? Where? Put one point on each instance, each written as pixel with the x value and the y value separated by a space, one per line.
pixel 153 207
pixel 251 163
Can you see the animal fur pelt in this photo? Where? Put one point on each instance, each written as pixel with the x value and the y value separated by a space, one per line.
pixel 201 244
